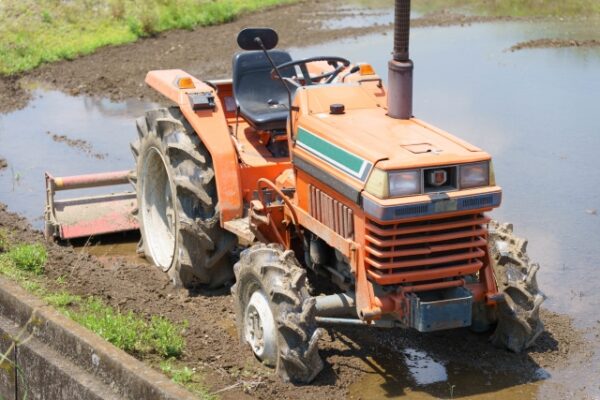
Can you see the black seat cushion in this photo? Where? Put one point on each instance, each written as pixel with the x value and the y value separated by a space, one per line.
pixel 262 101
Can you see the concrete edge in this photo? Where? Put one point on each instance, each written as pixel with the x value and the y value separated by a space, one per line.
pixel 132 378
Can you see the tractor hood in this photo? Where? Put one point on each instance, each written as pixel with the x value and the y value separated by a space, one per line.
pixel 365 130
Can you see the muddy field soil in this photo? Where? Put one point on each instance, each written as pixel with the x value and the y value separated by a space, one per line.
pixel 554 44
pixel 212 344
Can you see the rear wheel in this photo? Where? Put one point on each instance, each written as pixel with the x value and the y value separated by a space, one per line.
pixel 275 313
pixel 177 202
pixel 519 323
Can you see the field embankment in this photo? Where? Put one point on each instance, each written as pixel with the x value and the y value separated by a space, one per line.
pixel 37 32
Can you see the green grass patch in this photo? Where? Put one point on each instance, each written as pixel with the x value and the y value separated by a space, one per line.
pixel 128 331
pixel 29 257
pixel 40 31
pixel 4 241
pixel 24 264
pixel 187 377
pixel 515 8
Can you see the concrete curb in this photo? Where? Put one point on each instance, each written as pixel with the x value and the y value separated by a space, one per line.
pixel 52 353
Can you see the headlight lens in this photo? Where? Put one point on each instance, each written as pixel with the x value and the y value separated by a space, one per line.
pixel 385 184
pixel 404 183
pixel 474 175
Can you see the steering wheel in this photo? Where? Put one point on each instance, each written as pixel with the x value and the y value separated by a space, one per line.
pixel 338 63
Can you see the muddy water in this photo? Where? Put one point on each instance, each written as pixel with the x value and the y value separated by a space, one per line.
pixel 535 111
pixel 27 144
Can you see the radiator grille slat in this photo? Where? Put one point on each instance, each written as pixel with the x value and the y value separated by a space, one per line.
pixel 331 213
pixel 437 248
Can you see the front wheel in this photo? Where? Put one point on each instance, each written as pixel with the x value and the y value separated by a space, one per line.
pixel 275 313
pixel 519 323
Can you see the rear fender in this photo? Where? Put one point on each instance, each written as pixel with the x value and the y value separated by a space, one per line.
pixel 211 127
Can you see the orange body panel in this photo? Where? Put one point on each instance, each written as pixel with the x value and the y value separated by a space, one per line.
pixel 211 127
pixel 413 255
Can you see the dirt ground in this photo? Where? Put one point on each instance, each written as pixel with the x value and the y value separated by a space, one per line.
pixel 79 144
pixel 212 344
pixel 554 43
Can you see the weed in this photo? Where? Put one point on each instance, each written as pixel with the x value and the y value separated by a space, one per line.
pixel 4 242
pixel 61 280
pixel 128 331
pixel 29 257
pixel 62 299
pixel 46 17
pixel 187 377
pixel 178 375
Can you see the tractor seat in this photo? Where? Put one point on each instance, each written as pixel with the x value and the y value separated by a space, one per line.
pixel 262 101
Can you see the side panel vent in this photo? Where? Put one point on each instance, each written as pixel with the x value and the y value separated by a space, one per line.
pixel 331 212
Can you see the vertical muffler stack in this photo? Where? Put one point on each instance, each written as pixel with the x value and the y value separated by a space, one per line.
pixel 400 68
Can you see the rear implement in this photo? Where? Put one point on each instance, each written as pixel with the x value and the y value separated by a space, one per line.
pixel 92 215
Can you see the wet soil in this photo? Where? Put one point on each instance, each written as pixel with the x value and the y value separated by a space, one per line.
pixel 79 144
pixel 554 43
pixel 350 355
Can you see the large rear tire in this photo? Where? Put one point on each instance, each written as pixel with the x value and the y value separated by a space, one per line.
pixel 519 323
pixel 275 313
pixel 177 202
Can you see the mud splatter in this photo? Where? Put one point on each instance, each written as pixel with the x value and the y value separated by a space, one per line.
pixel 78 144
pixel 3 163
pixel 554 44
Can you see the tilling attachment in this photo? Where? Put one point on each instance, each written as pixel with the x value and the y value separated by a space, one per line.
pixel 92 215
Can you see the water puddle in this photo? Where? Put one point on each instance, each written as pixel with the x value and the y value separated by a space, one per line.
pixel 64 135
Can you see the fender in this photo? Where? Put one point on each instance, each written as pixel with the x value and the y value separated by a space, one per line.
pixel 211 127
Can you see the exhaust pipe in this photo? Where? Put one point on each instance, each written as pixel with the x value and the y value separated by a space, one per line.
pixel 400 68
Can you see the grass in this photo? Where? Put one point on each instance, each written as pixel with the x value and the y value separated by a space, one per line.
pixel 143 337
pixel 187 377
pixel 33 32
pixel 128 331
pixel 29 257
pixel 24 264
pixel 516 8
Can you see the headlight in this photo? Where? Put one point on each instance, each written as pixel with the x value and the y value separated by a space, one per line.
pixel 404 183
pixel 385 184
pixel 474 175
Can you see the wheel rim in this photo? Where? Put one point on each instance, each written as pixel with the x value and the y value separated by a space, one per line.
pixel 158 210
pixel 259 328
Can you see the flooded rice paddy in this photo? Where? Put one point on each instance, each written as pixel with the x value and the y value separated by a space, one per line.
pixel 535 111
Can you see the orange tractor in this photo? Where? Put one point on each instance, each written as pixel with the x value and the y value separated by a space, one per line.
pixel 326 180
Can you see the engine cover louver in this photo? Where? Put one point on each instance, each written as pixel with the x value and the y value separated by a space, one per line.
pixel 331 213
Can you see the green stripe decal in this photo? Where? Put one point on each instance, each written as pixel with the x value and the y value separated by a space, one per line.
pixel 334 155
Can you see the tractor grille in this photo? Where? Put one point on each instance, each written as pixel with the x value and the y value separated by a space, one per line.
pixel 427 250
pixel 331 212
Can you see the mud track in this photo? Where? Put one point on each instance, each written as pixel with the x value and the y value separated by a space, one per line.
pixel 213 346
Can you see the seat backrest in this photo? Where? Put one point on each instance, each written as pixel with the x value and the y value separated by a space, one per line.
pixel 253 87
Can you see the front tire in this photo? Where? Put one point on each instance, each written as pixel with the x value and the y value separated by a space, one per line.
pixel 519 323
pixel 177 202
pixel 268 275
